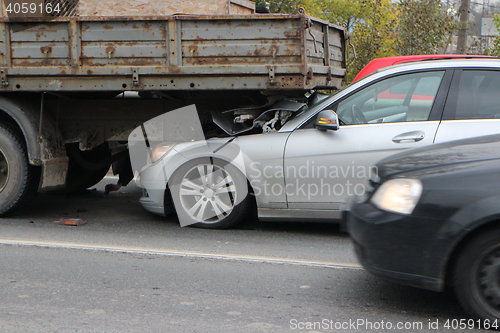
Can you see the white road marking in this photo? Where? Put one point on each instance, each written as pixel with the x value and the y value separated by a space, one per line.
pixel 177 253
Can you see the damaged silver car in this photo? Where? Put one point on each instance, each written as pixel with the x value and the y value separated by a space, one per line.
pixel 299 162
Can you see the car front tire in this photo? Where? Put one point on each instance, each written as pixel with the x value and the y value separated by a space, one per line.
pixel 476 277
pixel 209 193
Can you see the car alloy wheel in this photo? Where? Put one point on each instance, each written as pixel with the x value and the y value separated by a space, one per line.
pixel 209 193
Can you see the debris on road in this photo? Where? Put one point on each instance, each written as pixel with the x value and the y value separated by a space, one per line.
pixel 71 222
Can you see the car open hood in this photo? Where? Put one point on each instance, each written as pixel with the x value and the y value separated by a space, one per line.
pixel 233 121
pixel 449 153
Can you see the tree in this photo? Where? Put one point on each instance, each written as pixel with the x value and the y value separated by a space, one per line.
pixel 380 28
pixel 464 12
pixel 371 24
pixel 346 13
pixel 495 49
pixel 374 34
pixel 424 27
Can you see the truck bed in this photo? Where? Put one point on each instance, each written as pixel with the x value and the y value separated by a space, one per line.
pixel 178 52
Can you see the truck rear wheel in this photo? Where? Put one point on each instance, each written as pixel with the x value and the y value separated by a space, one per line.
pixel 80 178
pixel 18 180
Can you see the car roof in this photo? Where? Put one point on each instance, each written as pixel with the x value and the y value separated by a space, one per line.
pixel 493 63
pixel 479 63
pixel 380 63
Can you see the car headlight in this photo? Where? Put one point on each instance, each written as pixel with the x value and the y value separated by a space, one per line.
pixel 398 195
pixel 160 151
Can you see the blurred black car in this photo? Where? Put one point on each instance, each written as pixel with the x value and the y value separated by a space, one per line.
pixel 432 219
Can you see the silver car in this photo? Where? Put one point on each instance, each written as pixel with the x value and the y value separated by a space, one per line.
pixel 300 163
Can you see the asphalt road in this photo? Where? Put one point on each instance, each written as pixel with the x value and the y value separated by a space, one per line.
pixel 129 271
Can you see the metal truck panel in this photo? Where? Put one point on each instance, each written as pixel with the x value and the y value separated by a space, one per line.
pixel 180 52
pixel 131 31
pixel 35 32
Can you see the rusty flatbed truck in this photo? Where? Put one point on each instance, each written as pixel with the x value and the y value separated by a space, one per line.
pixel 62 99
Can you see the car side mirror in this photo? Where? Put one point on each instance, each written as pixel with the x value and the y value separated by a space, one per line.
pixel 327 120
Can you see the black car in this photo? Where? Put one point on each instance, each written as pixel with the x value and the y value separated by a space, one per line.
pixel 432 219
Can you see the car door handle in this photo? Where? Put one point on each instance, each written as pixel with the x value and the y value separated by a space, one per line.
pixel 414 136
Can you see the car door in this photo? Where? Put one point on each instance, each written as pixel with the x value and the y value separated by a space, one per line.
pixel 473 105
pixel 322 168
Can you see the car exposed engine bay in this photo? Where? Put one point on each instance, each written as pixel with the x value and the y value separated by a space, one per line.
pixel 268 118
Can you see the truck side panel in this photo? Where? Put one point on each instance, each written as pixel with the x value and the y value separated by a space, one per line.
pixel 124 43
pixel 230 42
pixel 272 52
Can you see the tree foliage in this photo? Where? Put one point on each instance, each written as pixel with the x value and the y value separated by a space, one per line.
pixel 424 27
pixel 380 28
pixel 495 49
pixel 374 35
pixel 370 23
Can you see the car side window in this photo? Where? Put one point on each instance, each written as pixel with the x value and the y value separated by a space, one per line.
pixel 402 98
pixel 479 95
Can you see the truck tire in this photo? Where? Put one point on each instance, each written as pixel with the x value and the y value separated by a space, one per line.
pixel 18 179
pixel 80 178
